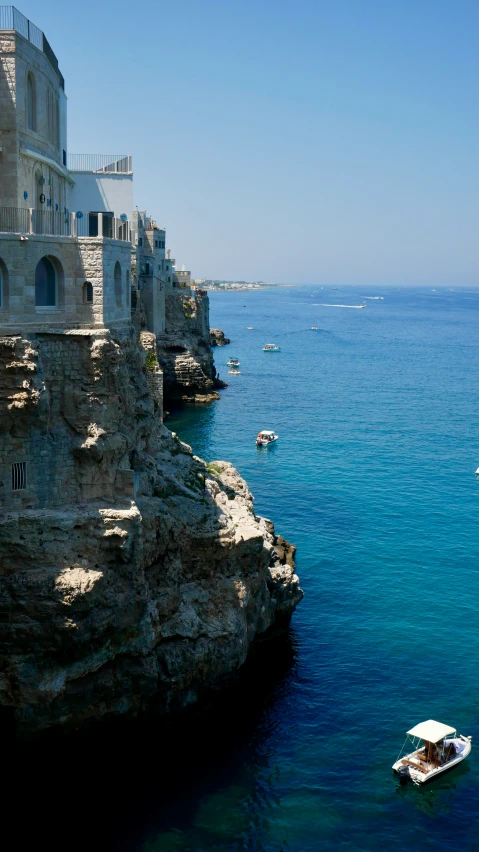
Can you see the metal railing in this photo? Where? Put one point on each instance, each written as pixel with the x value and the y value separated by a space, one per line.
pixel 12 19
pixel 16 220
pixel 100 163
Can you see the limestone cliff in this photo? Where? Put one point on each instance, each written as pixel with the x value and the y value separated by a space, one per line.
pixel 217 337
pixel 184 349
pixel 132 572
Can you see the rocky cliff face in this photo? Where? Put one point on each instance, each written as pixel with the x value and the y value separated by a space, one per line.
pixel 137 574
pixel 217 337
pixel 184 350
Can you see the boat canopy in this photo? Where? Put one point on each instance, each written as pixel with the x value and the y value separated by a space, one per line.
pixel 265 432
pixel 431 731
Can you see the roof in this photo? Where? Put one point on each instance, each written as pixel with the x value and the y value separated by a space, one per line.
pixel 265 432
pixel 431 731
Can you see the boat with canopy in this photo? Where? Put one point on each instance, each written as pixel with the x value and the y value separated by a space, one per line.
pixel 436 749
pixel 266 437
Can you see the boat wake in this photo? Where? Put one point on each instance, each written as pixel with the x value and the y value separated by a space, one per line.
pixel 354 307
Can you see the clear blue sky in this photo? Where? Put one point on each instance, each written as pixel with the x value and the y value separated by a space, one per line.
pixel 292 142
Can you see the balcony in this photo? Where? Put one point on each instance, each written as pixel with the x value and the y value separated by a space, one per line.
pixel 97 163
pixel 53 223
pixel 12 19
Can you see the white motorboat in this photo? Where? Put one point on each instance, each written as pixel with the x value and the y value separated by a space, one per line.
pixel 440 750
pixel 477 471
pixel 314 328
pixel 266 437
pixel 250 328
pixel 271 347
pixel 233 362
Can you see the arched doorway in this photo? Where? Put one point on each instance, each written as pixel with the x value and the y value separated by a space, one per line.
pixel 46 284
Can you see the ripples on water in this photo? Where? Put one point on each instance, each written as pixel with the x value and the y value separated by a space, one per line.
pixel 373 479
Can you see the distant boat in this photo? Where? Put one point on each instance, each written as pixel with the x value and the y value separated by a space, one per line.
pixel 266 437
pixel 234 372
pixel 477 471
pixel 314 327
pixel 250 328
pixel 233 362
pixel 271 347
pixel 374 298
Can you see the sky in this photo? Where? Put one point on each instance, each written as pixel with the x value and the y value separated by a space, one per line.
pixel 307 142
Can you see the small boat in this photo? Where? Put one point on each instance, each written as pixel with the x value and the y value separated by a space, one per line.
pixel 442 750
pixel 266 437
pixel 233 362
pixel 271 347
pixel 314 327
pixel 250 328
pixel 477 471
pixel 234 372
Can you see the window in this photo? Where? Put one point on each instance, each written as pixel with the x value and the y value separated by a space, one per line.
pixel 57 124
pixel 140 241
pixel 88 293
pixel 93 224
pixel 31 103
pixel 117 276
pixel 108 225
pixel 45 284
pixel 3 286
pixel 147 268
pixel 156 243
pixel 19 476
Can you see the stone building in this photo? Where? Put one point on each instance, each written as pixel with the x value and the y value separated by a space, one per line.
pixel 54 268
pixel 150 265
pixel 74 265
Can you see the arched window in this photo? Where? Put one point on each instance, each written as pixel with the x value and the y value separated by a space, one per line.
pixel 31 103
pixel 45 284
pixel 88 293
pixel 117 276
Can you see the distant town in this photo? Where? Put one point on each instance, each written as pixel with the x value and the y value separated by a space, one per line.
pixel 209 284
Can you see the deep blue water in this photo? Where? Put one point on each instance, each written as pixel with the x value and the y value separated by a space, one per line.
pixel 373 479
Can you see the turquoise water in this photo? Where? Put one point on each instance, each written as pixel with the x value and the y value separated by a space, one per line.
pixel 373 479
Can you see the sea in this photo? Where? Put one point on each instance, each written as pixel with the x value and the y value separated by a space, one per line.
pixel 373 479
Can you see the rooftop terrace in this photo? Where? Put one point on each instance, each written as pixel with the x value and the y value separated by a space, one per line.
pixel 12 19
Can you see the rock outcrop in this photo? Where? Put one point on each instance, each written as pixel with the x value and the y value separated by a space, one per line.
pixel 184 350
pixel 217 337
pixel 132 573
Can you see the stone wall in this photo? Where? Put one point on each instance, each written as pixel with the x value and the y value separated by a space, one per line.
pixel 19 172
pixel 77 260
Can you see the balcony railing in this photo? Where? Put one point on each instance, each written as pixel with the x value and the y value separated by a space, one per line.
pixel 16 220
pixel 12 19
pixel 100 163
